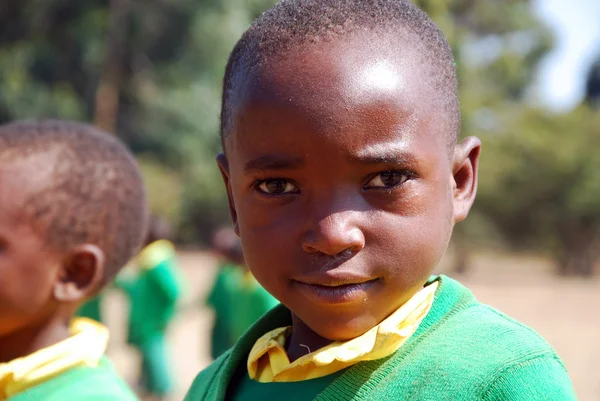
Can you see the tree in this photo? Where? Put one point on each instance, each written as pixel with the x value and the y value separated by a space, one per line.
pixel 549 183
pixel 150 71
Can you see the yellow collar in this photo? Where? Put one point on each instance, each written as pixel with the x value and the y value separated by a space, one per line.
pixel 85 347
pixel 268 361
pixel 155 253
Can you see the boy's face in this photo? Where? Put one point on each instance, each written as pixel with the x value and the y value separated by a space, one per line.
pixel 28 269
pixel 342 185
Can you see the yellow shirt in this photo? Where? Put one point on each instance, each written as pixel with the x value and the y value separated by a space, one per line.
pixel 85 347
pixel 155 253
pixel 268 360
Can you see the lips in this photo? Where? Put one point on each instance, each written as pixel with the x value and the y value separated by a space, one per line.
pixel 335 287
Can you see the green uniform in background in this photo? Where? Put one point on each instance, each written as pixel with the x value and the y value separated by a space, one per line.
pixel 153 296
pixel 238 300
pixel 98 383
pixel 92 309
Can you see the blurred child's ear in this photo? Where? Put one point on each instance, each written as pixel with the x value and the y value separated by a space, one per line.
pixel 81 273
pixel 464 173
pixel 224 167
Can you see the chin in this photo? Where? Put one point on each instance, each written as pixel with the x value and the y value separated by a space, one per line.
pixel 343 328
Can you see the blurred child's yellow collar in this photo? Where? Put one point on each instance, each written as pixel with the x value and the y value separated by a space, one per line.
pixel 155 253
pixel 85 347
pixel 268 361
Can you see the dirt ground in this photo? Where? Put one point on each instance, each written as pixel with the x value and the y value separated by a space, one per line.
pixel 564 311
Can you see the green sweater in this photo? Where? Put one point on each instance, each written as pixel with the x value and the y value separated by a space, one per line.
pixel 92 309
pixel 153 296
pixel 463 350
pixel 238 302
pixel 90 384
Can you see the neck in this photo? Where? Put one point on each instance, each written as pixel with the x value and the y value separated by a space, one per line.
pixel 32 338
pixel 303 340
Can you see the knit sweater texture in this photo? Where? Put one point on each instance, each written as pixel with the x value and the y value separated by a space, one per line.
pixel 463 350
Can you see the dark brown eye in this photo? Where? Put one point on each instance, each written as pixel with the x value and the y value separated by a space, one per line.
pixel 277 187
pixel 387 179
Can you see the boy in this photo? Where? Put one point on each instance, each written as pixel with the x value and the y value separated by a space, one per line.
pixel 72 213
pixel 237 299
pixel 339 123
pixel 153 295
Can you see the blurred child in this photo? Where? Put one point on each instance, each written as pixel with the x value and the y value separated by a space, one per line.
pixel 72 213
pixel 345 178
pixel 237 299
pixel 153 294
pixel 92 309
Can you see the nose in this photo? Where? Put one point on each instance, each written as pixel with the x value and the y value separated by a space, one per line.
pixel 334 235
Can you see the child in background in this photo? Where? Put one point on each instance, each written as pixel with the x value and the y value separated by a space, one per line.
pixel 92 309
pixel 236 298
pixel 72 213
pixel 153 294
pixel 339 123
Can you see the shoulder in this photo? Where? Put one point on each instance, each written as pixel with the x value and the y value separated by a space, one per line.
pixel 99 383
pixel 460 321
pixel 522 365
pixel 484 327
pixel 207 379
pixel 498 357
pixel 473 348
pixel 538 378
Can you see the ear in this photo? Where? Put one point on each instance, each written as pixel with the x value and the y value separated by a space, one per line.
pixel 80 275
pixel 464 173
pixel 224 168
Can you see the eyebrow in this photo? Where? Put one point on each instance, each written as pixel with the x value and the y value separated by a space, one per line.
pixel 385 153
pixel 272 162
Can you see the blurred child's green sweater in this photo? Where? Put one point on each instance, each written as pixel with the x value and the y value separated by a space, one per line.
pixel 99 383
pixel 463 350
pixel 238 301
pixel 92 309
pixel 153 293
pixel 153 296
pixel 219 300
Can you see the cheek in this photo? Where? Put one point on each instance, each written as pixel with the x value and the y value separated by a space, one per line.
pixel 415 238
pixel 271 239
pixel 26 285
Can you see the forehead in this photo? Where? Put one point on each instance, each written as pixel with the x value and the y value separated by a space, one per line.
pixel 20 180
pixel 359 87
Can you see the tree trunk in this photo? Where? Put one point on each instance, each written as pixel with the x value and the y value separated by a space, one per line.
pixel 108 92
pixel 462 253
pixel 577 260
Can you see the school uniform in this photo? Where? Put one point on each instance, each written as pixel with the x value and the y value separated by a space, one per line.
pixel 92 309
pixel 74 369
pixel 153 296
pixel 441 345
pixel 238 301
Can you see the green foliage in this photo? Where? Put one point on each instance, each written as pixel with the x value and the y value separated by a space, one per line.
pixel 542 184
pixel 51 58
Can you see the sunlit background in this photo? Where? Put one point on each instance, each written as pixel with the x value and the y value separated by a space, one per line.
pixel 150 71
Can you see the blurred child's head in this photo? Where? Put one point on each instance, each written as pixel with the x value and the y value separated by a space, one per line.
pixel 72 213
pixel 339 124
pixel 158 229
pixel 227 244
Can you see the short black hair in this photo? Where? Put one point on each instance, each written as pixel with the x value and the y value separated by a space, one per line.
pixel 95 193
pixel 292 23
